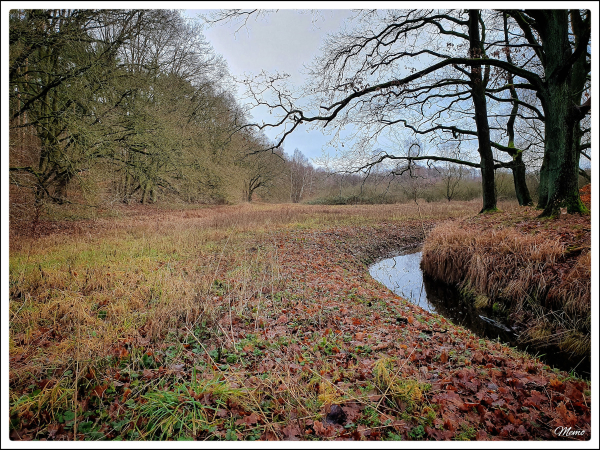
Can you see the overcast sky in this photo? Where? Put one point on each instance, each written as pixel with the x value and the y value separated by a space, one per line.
pixel 284 41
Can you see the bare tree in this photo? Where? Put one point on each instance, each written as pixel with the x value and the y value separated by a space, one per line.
pixel 260 170
pixel 348 87
pixel 451 174
pixel 59 60
pixel 300 174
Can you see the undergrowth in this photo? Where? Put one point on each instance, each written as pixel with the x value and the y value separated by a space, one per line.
pixel 245 322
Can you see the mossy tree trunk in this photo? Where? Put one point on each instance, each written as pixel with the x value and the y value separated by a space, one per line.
pixel 561 97
pixel 560 169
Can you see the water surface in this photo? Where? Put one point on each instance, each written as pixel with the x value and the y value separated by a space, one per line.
pixel 403 276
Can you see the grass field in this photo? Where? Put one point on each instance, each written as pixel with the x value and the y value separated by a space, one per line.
pixel 254 322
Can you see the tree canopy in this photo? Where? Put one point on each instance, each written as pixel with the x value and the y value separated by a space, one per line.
pixel 136 99
pixel 136 103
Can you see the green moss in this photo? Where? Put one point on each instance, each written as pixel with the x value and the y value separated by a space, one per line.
pixel 481 301
pixel 490 211
pixel 467 433
pixel 576 206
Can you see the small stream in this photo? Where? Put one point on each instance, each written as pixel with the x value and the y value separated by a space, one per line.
pixel 403 276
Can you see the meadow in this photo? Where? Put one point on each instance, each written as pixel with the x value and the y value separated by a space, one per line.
pixel 256 321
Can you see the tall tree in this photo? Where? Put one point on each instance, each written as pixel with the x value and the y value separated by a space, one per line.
pixel 553 56
pixel 478 84
pixel 300 173
pixel 259 170
pixel 351 60
pixel 366 79
pixel 518 165
pixel 566 69
pixel 58 62
pixel 139 95
pixel 173 81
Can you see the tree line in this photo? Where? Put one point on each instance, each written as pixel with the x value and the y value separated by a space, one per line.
pixel 135 106
pixel 131 104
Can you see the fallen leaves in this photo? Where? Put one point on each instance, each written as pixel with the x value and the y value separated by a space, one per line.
pixel 282 319
pixel 444 357
pixel 535 399
pixel 316 338
pixel 98 391
pixel 249 420
pixel 291 432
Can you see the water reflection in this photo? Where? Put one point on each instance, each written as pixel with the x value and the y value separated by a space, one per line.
pixel 403 276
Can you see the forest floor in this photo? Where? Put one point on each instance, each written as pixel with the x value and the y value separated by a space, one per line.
pixel 259 322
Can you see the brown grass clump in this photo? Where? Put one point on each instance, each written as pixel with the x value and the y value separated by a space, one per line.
pixel 523 264
pixel 574 291
pixel 499 263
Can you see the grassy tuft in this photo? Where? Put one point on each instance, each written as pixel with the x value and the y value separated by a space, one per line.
pixel 510 260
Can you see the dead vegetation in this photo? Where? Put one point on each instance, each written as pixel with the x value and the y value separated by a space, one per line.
pixel 537 270
pixel 256 322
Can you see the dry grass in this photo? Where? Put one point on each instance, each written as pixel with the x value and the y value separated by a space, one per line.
pixel 242 322
pixel 573 293
pixel 152 219
pixel 499 263
pixel 78 295
pixel 84 301
pixel 525 266
pixel 84 294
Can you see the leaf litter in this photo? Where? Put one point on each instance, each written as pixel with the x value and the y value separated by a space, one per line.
pixel 324 353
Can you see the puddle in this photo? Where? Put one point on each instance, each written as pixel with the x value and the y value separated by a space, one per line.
pixel 403 276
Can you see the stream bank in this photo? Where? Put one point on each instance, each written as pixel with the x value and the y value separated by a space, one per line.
pixel 402 274
pixel 536 272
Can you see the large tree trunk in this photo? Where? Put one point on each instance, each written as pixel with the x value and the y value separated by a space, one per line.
pixel 560 170
pixel 481 117
pixel 63 179
pixel 543 186
pixel 560 100
pixel 248 191
pixel 55 170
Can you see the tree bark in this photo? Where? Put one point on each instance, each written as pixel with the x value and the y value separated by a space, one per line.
pixel 481 118
pixel 560 99
pixel 518 171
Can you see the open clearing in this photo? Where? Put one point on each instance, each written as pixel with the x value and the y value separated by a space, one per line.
pixel 257 322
